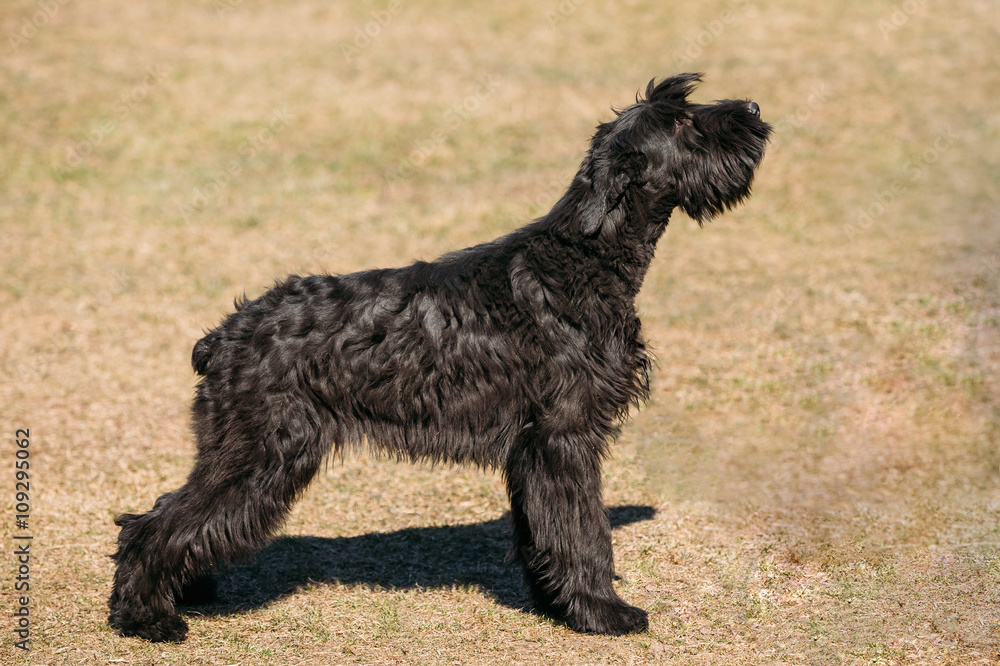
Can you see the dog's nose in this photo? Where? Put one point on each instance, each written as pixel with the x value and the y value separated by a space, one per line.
pixel 754 109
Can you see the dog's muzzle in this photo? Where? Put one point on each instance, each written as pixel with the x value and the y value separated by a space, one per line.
pixel 754 109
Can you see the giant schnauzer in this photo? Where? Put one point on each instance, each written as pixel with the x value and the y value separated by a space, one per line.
pixel 522 354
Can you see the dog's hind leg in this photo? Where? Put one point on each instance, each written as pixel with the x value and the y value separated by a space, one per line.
pixel 562 536
pixel 250 469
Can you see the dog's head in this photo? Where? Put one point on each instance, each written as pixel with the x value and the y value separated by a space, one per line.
pixel 664 152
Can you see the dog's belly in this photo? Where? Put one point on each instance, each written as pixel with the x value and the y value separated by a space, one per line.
pixel 440 405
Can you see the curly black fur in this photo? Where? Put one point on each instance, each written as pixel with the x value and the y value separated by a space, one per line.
pixel 523 354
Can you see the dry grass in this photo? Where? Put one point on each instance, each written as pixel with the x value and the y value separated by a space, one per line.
pixel 822 445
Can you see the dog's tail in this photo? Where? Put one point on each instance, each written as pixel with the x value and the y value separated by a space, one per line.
pixel 204 350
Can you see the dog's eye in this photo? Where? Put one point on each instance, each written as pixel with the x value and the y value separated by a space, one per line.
pixel 682 121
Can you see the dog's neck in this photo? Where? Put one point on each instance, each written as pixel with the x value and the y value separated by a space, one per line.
pixel 624 244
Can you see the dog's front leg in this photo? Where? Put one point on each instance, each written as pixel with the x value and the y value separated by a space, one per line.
pixel 562 536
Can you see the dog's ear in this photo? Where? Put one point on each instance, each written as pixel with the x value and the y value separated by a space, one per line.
pixel 620 166
pixel 673 89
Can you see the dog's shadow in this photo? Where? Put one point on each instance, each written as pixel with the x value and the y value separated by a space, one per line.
pixel 416 557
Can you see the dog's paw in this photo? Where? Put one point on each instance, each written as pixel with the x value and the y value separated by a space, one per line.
pixel 626 620
pixel 163 629
pixel 613 618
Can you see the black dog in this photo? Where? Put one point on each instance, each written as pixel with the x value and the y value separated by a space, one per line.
pixel 522 354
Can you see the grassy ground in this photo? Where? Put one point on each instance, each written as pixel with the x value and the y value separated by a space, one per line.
pixel 815 479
